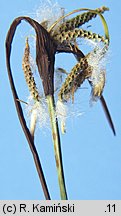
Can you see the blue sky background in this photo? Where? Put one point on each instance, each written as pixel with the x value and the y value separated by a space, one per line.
pixel 91 154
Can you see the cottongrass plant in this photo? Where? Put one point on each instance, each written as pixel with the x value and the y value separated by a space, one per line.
pixel 54 37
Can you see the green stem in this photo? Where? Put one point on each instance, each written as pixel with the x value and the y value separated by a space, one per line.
pixel 57 146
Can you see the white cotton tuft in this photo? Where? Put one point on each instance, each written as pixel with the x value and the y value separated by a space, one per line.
pixel 43 116
pixel 33 121
pixel 38 113
pixel 97 59
pixel 32 63
pixel 91 43
pixel 61 112
pixel 59 76
pixel 49 10
pixel 66 110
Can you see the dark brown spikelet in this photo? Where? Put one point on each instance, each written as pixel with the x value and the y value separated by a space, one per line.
pixel 79 20
pixel 28 73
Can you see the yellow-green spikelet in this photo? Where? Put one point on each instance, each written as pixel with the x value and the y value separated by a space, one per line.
pixel 72 35
pixel 28 73
pixel 78 20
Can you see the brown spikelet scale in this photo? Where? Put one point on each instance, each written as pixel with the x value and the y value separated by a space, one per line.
pixel 28 73
pixel 44 24
pixel 85 74
pixel 78 74
pixel 79 20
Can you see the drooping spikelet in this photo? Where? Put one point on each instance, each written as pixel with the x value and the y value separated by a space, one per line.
pixel 78 74
pixel 28 73
pixel 70 36
pixel 91 67
pixel 78 21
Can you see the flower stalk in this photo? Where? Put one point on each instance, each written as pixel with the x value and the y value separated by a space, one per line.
pixel 57 146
